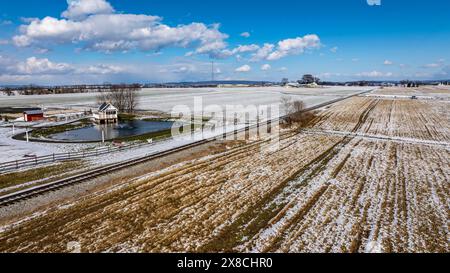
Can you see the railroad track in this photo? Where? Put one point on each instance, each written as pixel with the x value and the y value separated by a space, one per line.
pixel 29 193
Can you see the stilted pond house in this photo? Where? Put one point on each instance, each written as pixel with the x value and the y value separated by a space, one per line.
pixel 106 113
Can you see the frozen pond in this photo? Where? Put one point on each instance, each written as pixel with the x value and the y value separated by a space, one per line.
pixel 113 131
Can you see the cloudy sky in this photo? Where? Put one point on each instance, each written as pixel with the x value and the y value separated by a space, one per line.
pixel 96 41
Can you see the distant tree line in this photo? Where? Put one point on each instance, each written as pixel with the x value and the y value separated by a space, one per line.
pixel 43 90
pixel 411 83
pixel 8 91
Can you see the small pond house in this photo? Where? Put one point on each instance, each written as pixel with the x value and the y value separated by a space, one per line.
pixel 106 113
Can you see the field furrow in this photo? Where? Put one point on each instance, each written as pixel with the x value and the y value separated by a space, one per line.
pixel 368 174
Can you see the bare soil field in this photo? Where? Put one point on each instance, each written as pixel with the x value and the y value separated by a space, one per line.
pixel 317 192
pixel 418 91
pixel 414 119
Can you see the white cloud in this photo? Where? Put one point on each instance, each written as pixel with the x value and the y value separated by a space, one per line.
pixel 118 32
pixel 94 25
pixel 374 74
pixel 184 68
pixel 432 65
pixel 263 52
pixel 245 34
pixel 334 49
pixel 286 48
pixel 265 67
pixel 225 53
pixel 244 68
pixel 42 50
pixel 422 75
pixel 6 23
pixel 33 66
pixel 37 67
pixel 28 20
pixel 100 69
pixel 80 9
pixel 374 2
pixel 294 46
pixel 388 62
pixel 439 63
pixel 282 69
pixel 329 75
pixel 245 48
pixel 5 64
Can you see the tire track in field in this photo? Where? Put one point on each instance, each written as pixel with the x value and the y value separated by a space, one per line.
pixel 36 227
pixel 313 170
pixel 87 220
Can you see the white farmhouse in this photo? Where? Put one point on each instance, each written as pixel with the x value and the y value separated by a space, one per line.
pixel 106 113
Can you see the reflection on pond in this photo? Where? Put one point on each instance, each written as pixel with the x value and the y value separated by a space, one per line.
pixel 113 131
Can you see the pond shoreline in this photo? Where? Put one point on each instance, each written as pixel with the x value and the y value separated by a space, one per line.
pixel 155 136
pixel 45 137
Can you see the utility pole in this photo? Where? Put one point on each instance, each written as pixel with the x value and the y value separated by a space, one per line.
pixel 212 71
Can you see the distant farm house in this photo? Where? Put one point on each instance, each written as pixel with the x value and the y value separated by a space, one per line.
pixel 33 115
pixel 106 113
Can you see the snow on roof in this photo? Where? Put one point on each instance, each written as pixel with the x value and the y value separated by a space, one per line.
pixel 34 112
pixel 105 106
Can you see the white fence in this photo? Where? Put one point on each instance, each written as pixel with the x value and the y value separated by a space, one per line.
pixel 40 160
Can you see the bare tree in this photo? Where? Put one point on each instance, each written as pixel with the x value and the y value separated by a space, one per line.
pixel 286 103
pixel 131 99
pixel 296 113
pixel 123 97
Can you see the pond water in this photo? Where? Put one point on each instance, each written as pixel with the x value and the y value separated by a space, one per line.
pixel 113 131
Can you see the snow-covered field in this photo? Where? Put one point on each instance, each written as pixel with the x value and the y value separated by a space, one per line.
pixel 11 149
pixel 437 92
pixel 158 100
pixel 165 99
pixel 315 193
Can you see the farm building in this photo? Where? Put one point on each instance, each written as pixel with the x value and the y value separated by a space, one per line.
pixel 106 113
pixel 34 115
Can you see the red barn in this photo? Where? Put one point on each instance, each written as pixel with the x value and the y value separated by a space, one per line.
pixel 34 115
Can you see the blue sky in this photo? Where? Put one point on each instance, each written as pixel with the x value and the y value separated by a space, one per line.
pixel 94 41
